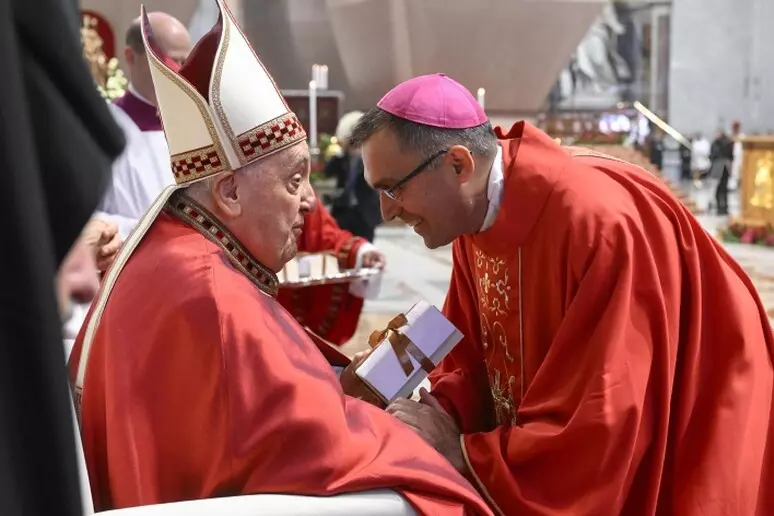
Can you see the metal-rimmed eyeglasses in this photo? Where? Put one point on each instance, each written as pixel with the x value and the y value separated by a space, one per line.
pixel 390 192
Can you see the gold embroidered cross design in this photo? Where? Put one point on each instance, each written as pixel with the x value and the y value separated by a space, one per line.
pixel 505 407
pixel 494 286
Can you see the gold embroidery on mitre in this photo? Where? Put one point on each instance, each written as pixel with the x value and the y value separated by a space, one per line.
pixel 276 134
pixel 198 163
pixel 203 221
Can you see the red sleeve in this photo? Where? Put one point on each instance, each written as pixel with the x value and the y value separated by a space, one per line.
pixel 583 425
pixel 460 381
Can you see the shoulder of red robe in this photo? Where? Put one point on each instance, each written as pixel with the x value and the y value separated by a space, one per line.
pixel 436 100
pixel 221 110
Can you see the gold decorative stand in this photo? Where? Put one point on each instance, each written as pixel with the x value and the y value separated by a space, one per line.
pixel 755 225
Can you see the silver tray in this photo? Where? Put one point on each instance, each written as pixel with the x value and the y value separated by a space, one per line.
pixel 341 277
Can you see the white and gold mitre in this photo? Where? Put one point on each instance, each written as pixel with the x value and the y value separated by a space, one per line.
pixel 221 110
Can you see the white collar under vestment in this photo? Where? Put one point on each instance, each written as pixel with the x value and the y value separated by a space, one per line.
pixel 494 191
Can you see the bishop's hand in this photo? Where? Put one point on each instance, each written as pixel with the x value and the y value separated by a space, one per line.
pixel 354 386
pixel 428 418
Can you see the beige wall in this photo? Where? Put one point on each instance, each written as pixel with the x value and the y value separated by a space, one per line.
pixel 513 48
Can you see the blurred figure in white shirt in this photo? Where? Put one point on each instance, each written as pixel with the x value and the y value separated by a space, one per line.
pixel 700 158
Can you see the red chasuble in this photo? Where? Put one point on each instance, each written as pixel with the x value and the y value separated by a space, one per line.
pixel 616 360
pixel 200 384
pixel 330 311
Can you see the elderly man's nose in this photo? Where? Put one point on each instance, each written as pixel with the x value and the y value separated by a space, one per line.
pixel 308 198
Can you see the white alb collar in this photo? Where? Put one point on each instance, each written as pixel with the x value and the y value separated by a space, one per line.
pixel 494 191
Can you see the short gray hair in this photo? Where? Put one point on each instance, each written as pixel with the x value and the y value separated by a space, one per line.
pixel 423 139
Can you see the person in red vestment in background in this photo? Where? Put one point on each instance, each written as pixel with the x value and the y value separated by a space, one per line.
pixel 331 311
pixel 616 360
pixel 190 380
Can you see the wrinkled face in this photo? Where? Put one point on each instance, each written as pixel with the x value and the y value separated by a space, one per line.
pixel 432 202
pixel 272 201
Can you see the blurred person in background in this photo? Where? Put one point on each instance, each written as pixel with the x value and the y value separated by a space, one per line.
pixel 142 171
pixel 700 157
pixel 721 158
pixel 685 162
pixel 355 205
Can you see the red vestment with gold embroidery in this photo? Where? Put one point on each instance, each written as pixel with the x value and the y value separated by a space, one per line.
pixel 330 311
pixel 200 384
pixel 616 360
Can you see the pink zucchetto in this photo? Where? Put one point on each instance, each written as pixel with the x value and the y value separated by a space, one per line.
pixel 435 100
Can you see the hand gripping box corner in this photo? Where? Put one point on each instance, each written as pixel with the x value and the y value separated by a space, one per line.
pixel 407 351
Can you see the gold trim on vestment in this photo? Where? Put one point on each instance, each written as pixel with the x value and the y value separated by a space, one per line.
pixel 202 220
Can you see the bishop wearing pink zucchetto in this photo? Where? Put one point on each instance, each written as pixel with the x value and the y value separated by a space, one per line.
pixel 616 360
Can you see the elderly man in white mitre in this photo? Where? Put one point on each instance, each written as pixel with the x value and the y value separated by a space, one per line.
pixel 191 381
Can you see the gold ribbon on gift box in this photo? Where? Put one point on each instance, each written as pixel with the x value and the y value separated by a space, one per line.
pixel 403 347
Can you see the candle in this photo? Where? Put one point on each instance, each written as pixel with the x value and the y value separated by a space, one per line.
pixel 480 96
pixel 316 73
pixel 313 114
pixel 324 77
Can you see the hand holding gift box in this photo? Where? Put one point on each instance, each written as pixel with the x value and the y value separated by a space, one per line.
pixel 407 350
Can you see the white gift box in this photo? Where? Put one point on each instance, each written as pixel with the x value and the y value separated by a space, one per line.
pixel 429 331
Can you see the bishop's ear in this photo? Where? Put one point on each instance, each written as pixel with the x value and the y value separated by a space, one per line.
pixel 462 162
pixel 225 191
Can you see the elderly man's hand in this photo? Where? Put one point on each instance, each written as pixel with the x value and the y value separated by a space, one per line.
pixel 428 418
pixel 354 386
pixel 374 259
pixel 103 239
